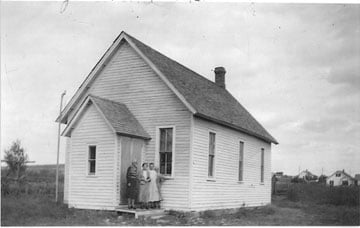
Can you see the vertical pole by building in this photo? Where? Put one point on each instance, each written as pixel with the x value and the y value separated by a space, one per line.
pixel 58 151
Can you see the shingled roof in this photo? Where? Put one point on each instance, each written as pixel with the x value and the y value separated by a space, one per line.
pixel 208 99
pixel 118 116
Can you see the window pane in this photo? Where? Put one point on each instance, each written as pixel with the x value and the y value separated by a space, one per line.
pixel 162 163
pixel 240 170
pixel 169 140
pixel 241 151
pixel 211 143
pixel 92 152
pixel 169 157
pixel 92 166
pixel 162 139
pixel 262 165
pixel 211 165
pixel 168 163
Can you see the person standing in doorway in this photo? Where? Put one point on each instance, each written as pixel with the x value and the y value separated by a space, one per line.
pixel 132 184
pixel 144 187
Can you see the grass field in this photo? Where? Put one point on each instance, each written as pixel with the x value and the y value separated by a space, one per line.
pixel 304 205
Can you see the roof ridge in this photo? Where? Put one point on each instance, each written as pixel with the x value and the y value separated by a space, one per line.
pixel 180 64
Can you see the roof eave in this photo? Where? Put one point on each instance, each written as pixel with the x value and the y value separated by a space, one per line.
pixel 134 135
pixel 235 127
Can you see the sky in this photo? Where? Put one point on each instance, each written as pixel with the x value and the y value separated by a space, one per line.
pixel 295 67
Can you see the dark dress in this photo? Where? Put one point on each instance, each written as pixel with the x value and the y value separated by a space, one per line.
pixel 132 183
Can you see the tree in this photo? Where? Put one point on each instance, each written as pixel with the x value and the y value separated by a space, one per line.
pixel 16 160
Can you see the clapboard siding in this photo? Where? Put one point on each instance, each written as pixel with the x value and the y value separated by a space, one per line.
pixel 117 163
pixel 92 191
pixel 129 80
pixel 224 190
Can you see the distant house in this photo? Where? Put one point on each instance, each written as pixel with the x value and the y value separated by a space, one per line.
pixel 138 103
pixel 340 177
pixel 306 176
pixel 357 179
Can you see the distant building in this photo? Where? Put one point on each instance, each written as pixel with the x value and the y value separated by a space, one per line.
pixel 340 178
pixel 357 179
pixel 306 176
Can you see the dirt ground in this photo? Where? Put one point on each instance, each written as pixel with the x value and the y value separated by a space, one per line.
pixel 38 212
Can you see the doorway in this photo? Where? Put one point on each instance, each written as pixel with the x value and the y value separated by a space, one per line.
pixel 131 148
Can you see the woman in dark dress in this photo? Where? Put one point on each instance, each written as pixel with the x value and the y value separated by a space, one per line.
pixel 132 184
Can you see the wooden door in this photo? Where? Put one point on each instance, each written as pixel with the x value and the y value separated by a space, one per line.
pixel 131 148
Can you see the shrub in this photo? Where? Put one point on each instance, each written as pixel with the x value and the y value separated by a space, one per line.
pixel 208 214
pixel 322 194
pixel 293 195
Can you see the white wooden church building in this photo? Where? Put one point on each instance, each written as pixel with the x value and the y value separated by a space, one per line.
pixel 138 103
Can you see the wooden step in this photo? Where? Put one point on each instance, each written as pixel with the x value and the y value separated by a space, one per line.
pixel 140 212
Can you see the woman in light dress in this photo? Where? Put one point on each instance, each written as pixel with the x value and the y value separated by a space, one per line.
pixel 154 191
pixel 144 187
pixel 154 186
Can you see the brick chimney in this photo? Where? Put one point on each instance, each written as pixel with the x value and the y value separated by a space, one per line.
pixel 220 76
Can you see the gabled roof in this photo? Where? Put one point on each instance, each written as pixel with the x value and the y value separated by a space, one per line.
pixel 202 97
pixel 343 172
pixel 307 173
pixel 117 116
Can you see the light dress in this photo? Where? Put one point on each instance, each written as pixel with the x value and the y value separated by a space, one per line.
pixel 144 187
pixel 154 194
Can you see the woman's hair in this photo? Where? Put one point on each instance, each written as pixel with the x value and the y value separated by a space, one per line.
pixel 145 163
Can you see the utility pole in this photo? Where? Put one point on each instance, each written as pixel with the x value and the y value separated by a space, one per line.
pixel 58 150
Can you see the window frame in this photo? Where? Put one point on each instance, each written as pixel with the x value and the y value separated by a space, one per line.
pixel 157 145
pixel 88 173
pixel 262 166
pixel 214 156
pixel 241 159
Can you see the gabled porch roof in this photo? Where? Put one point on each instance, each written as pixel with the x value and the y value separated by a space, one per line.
pixel 116 115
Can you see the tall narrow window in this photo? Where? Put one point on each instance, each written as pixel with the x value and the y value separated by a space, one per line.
pixel 262 165
pixel 211 154
pixel 92 160
pixel 166 142
pixel 241 161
